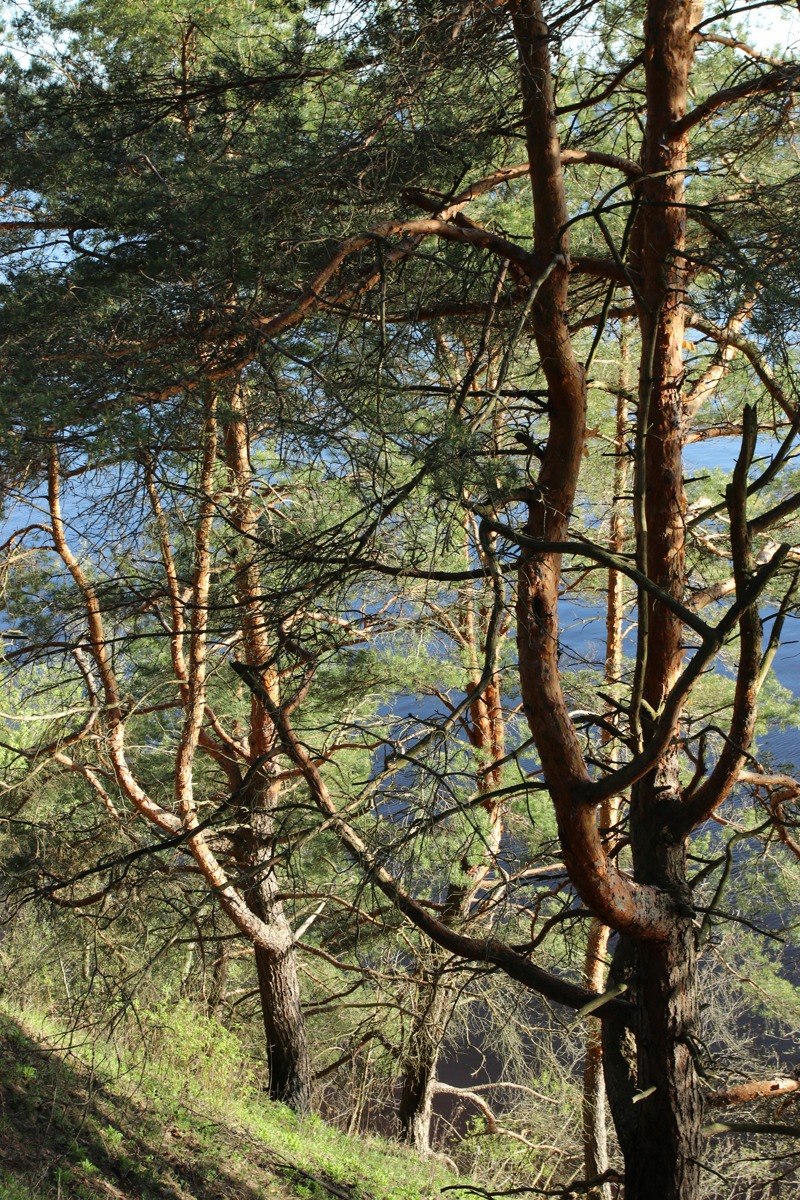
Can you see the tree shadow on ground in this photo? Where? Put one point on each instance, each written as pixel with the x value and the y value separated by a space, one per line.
pixel 66 1133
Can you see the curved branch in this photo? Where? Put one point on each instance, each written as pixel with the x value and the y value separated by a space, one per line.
pixel 600 555
pixel 781 80
pixel 732 757
pixel 487 950
pixel 603 93
pixel 519 171
pixel 728 337
pixel 261 934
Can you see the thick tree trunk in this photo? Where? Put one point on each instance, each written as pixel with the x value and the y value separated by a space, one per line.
pixel 290 1078
pixel 651 1081
pixel 660 1126
pixel 416 1099
pixel 288 1056
pixel 664 1158
pixel 660 1144
pixel 660 1133
pixel 284 1025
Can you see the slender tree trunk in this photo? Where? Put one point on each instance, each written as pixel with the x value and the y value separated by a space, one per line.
pixel 219 980
pixel 188 963
pixel 435 1000
pixel 595 1140
pixel 616 539
pixel 278 985
pixel 434 1006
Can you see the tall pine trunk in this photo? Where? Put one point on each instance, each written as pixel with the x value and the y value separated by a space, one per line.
pixel 290 1077
pixel 664 1158
pixel 660 1133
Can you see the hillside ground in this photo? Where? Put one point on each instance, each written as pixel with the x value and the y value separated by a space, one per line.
pixel 78 1122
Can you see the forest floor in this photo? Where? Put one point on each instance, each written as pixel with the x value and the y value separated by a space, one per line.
pixel 78 1124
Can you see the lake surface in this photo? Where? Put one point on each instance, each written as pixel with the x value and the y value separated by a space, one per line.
pixel 583 624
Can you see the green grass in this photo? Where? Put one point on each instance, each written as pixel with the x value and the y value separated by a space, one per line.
pixel 182 1122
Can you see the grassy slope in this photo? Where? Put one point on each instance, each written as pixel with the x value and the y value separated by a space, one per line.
pixel 71 1129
